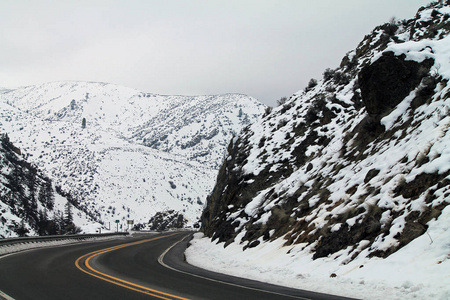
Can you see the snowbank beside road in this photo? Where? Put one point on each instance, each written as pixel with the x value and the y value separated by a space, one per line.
pixel 420 270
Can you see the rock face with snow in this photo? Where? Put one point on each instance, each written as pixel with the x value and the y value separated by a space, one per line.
pixel 123 154
pixel 165 220
pixel 357 163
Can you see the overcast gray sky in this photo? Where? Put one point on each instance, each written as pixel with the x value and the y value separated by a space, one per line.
pixel 263 48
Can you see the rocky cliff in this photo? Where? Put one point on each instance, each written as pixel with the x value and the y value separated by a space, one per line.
pixel 357 161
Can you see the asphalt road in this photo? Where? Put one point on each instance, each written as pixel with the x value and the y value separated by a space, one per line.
pixel 127 268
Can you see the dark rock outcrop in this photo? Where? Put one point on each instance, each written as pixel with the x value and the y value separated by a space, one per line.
pixel 166 220
pixel 386 82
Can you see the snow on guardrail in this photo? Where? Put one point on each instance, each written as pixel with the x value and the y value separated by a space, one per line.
pixel 12 245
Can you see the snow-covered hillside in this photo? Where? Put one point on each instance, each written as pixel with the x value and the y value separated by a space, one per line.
pixel 29 204
pixel 350 175
pixel 121 153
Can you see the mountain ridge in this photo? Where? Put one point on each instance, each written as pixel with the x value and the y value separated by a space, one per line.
pixel 116 149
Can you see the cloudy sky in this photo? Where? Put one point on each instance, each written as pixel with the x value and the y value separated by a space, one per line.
pixel 263 48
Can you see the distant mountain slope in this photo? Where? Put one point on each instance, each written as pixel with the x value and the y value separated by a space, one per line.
pixel 358 163
pixel 121 153
pixel 196 128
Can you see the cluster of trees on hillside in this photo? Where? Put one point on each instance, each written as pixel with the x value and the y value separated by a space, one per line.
pixel 29 195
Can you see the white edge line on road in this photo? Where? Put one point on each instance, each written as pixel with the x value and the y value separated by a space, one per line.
pixel 6 297
pixel 161 261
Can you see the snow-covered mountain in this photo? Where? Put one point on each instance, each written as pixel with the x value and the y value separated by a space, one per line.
pixel 124 154
pixel 351 170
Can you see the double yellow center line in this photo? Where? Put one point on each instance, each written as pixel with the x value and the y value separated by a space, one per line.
pixel 88 269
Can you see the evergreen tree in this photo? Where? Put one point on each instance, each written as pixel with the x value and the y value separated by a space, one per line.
pixel 46 196
pixel 42 222
pixel 58 219
pixel 15 180
pixel 69 226
pixel 68 217
pixel 21 229
pixel 30 178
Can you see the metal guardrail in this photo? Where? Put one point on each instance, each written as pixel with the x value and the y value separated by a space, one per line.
pixel 46 238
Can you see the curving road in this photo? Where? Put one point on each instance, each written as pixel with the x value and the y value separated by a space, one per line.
pixel 144 266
